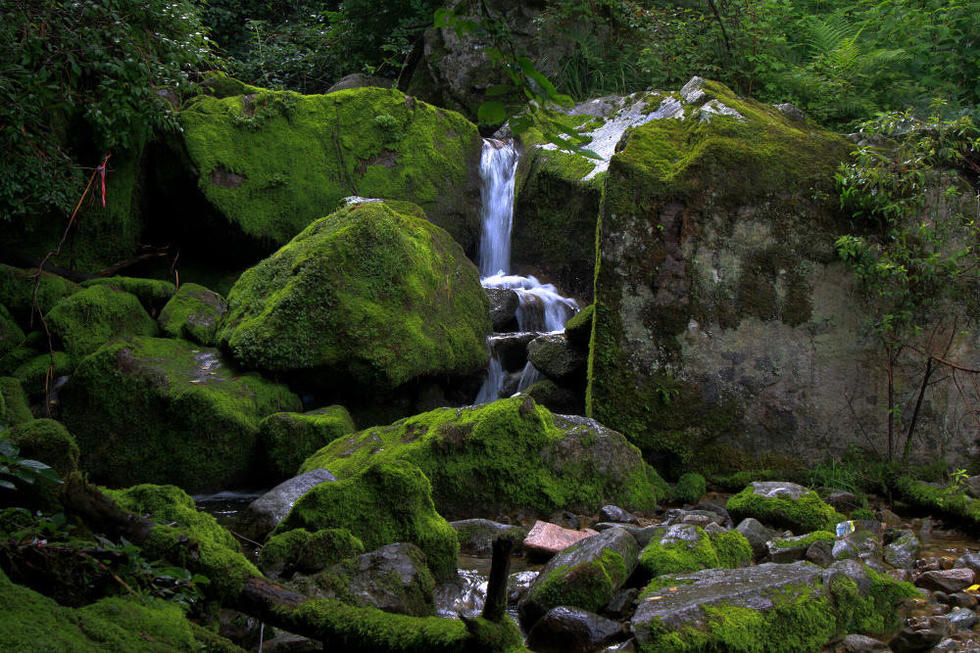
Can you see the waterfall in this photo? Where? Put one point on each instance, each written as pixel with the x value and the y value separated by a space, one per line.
pixel 541 308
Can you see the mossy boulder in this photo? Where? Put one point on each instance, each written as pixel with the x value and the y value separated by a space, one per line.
pixel 30 621
pixel 389 502
pixel 17 292
pixel 290 438
pixel 578 329
pixel 272 162
pixel 11 335
pixel 299 550
pixel 92 317
pixel 193 313
pixel 686 547
pixel 152 293
pixel 33 373
pixel 507 456
pixel 367 296
pixel 214 552
pixel 784 505
pixel 161 410
pixel 585 575
pixel 718 290
pixel 689 488
pixel 48 441
pixel 16 409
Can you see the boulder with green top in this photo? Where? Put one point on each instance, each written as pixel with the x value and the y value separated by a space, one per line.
pixel 48 441
pixel 389 502
pixel 16 409
pixel 724 323
pixel 152 293
pixel 784 505
pixel 193 313
pixel 299 550
pixel 507 456
pixel 270 163
pixel 167 411
pixel 17 292
pixel 366 299
pixel 11 335
pixel 686 547
pixel 290 438
pixel 94 316
pixel 43 370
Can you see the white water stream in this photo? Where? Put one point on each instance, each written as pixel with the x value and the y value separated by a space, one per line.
pixel 541 309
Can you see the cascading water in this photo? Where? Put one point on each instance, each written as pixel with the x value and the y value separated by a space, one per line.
pixel 541 309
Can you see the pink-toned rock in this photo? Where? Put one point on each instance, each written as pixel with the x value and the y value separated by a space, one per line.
pixel 545 539
pixel 946 580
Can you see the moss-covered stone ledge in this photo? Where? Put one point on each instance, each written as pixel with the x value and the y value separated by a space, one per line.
pixel 784 505
pixel 508 456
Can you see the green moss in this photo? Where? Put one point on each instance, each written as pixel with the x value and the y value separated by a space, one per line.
pixel 34 373
pixel 193 313
pixel 274 162
pixel 165 411
pixel 213 552
pixel 947 501
pixel 504 456
pixel 11 335
pixel 588 585
pixel 17 291
pixel 290 438
pixel 152 293
pixel 220 85
pixel 729 550
pixel 32 622
pixel 16 409
pixel 92 317
pixel 807 540
pixel 578 329
pixel 389 502
pixel 48 441
pixel 803 515
pixel 365 294
pixel 690 487
pixel 873 614
pixel 304 551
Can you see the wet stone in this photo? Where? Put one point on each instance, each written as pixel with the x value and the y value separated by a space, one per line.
pixel 573 630
pixel 962 618
pixel 821 553
pixel 757 535
pixel 902 549
pixel 616 514
pixel 921 634
pixel 861 644
pixel 946 580
pixel 969 560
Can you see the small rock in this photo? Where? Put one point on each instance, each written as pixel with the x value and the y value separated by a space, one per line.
pixel 573 630
pixel 821 553
pixel 889 518
pixel 718 510
pixel 946 580
pixel 969 560
pixel 843 501
pixel 921 633
pixel 861 644
pixel 962 618
pixel 790 111
pixel 616 514
pixel 545 539
pixel 757 535
pixel 622 604
pixel 902 550
pixel 962 600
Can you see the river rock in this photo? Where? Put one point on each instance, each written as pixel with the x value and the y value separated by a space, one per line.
pixel 962 618
pixel 265 513
pixel 757 535
pixel 546 539
pixel 686 547
pixel 476 536
pixel 296 311
pixel 11 335
pixel 503 457
pixel 863 541
pixel 93 317
pixel 556 358
pixel 861 644
pixel 969 560
pixel 921 634
pixel 154 410
pixel 821 553
pixel 393 578
pixel 902 549
pixel 616 514
pixel 556 398
pixel 290 438
pixel 578 329
pixel 585 575
pixel 784 505
pixel 946 580
pixel 193 313
pixel 573 630
pixel 503 309
pixel 511 350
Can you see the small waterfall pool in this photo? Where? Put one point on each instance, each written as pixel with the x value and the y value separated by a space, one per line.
pixel 541 308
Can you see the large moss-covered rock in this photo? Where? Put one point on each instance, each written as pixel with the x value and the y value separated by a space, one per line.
pixel 17 292
pixel 46 440
pixel 193 313
pixel 686 547
pixel 11 335
pixel 152 293
pixel 507 456
pixel 89 319
pixel 16 410
pixel 366 296
pixel 389 502
pixel 166 411
pixel 290 438
pixel 723 323
pixel 272 162
pixel 784 505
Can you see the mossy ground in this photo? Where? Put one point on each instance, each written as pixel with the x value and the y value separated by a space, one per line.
pixel 94 316
pixel 288 439
pixel 166 411
pixel 669 180
pixel 272 162
pixel 503 456
pixel 389 502
pixel 804 515
pixel 367 296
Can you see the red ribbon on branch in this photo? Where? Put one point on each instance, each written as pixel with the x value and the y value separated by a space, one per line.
pixel 102 170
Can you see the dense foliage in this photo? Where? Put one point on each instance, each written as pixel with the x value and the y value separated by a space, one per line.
pixel 79 79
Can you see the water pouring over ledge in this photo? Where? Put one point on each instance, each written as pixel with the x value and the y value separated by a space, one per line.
pixel 541 308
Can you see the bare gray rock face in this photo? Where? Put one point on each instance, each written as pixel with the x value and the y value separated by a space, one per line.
pixel 265 513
